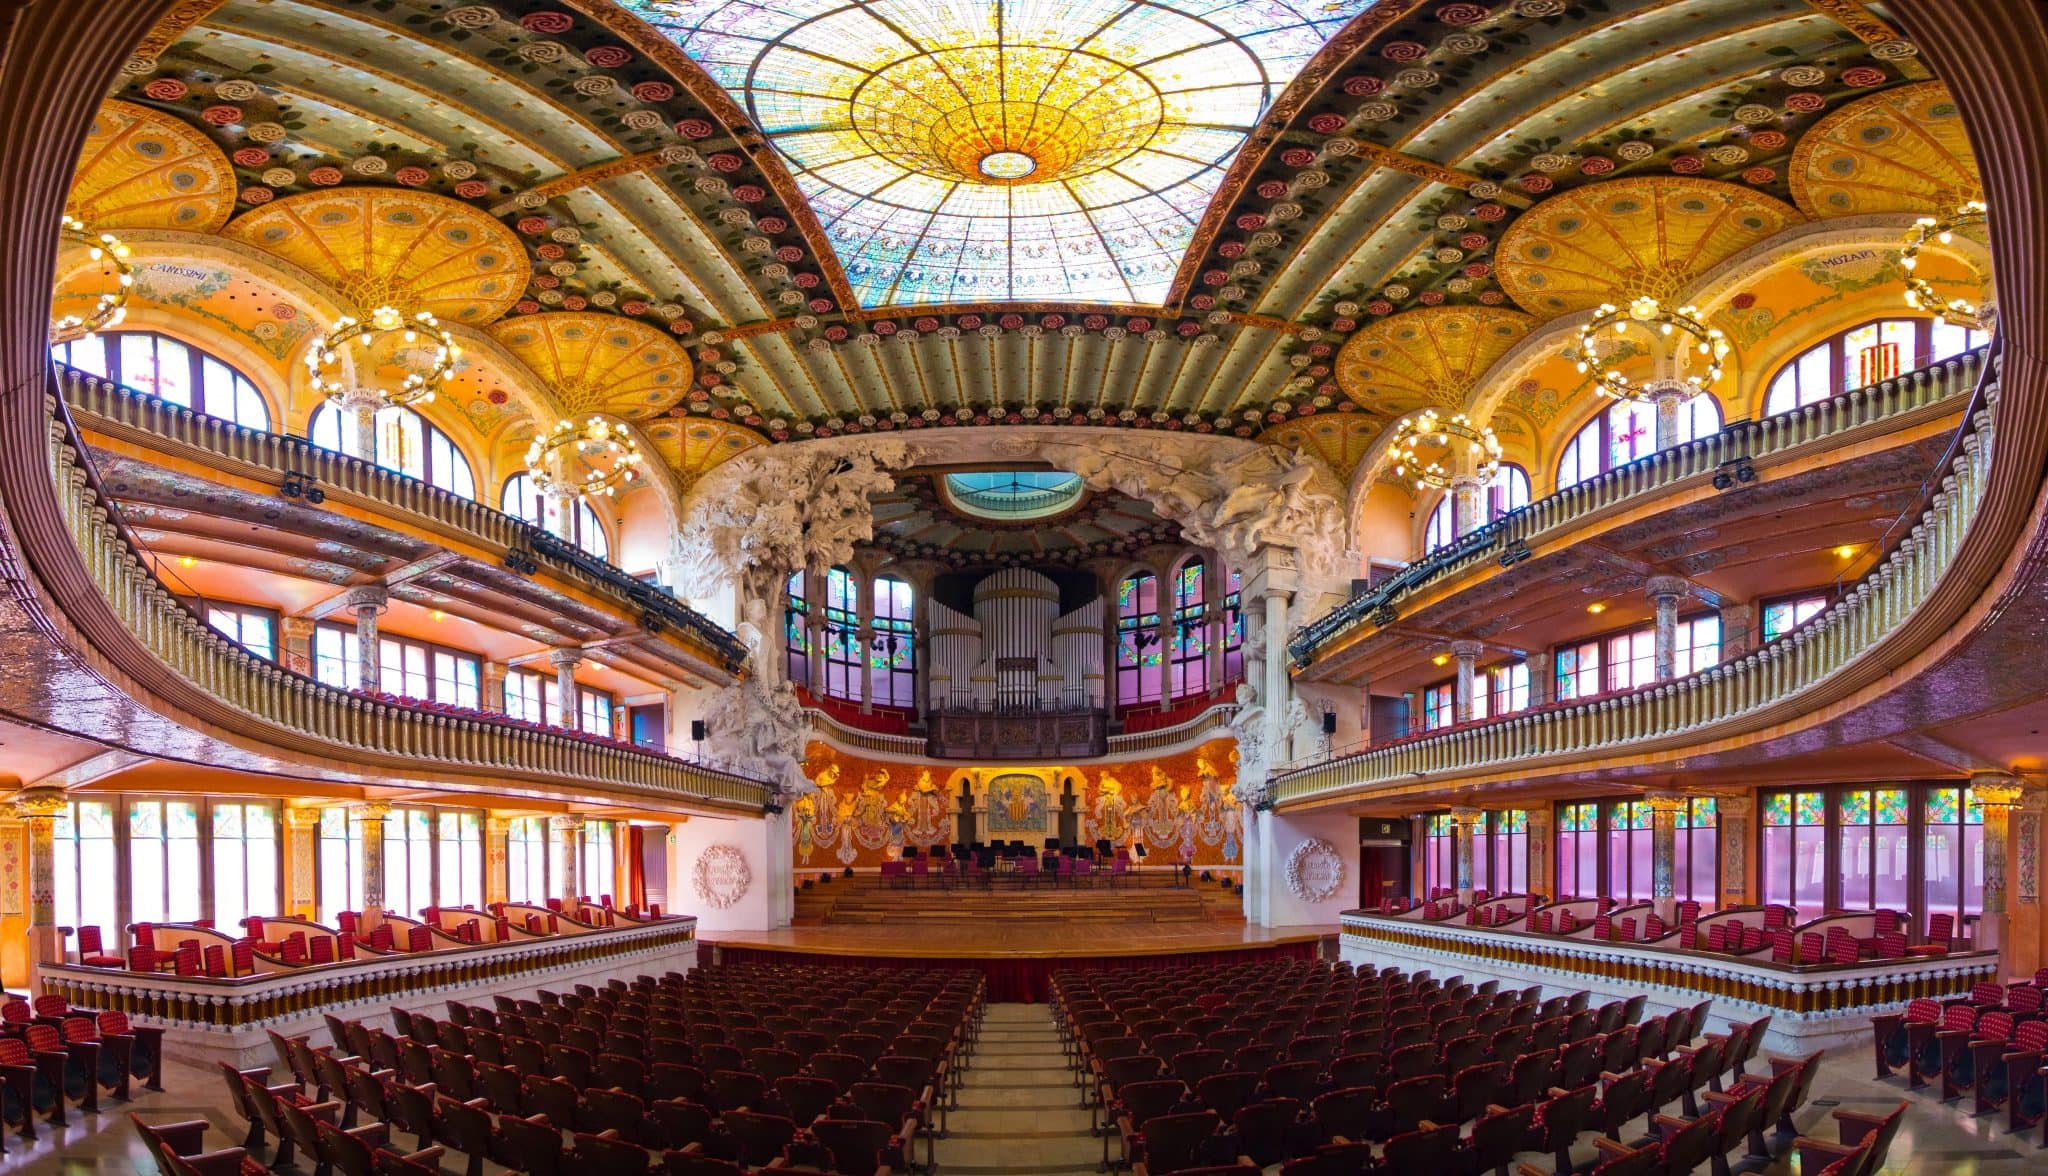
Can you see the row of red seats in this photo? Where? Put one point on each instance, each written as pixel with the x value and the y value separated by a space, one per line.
pixel 52 1054
pixel 1991 1044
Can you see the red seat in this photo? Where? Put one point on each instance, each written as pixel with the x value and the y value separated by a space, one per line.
pixel 93 954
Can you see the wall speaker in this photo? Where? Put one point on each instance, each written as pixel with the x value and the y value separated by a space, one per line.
pixel 696 730
pixel 1329 722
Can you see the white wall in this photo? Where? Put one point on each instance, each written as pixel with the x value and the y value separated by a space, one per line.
pixel 763 843
pixel 1278 836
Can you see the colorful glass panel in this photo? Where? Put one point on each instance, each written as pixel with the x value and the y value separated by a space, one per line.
pixel 1891 806
pixel 1811 807
pixel 1941 806
pixel 1004 149
pixel 1778 809
pixel 1855 808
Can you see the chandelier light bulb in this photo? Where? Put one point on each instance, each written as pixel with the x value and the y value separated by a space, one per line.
pixel 111 307
pixel 1920 293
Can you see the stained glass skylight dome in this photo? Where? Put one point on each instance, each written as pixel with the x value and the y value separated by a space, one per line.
pixel 1005 150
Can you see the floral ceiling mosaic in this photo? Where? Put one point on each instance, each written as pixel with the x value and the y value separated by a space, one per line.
pixel 873 215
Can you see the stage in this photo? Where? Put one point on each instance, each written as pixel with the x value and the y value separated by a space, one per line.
pixel 1019 960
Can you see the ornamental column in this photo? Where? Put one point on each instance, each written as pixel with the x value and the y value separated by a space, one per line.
pixel 38 809
pixel 1468 508
pixel 367 603
pixel 1738 630
pixel 296 634
pixel 1467 653
pixel 1732 814
pixel 362 404
pixel 1664 810
pixel 1669 398
pixel 492 697
pixel 1275 695
pixel 1467 823
pixel 497 859
pixel 565 662
pixel 568 838
pixel 372 816
pixel 1665 592
pixel 1998 795
pixel 301 862
pixel 1539 881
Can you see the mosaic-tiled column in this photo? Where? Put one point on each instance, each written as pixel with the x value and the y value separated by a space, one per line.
pixel 297 651
pixel 1468 822
pixel 1664 810
pixel 367 603
pixel 568 837
pixel 497 859
pixel 1997 795
pixel 38 809
pixel 1467 653
pixel 301 862
pixel 371 835
pixel 1540 881
pixel 565 662
pixel 1734 814
pixel 1665 592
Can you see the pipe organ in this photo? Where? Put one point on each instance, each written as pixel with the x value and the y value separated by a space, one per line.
pixel 1017 652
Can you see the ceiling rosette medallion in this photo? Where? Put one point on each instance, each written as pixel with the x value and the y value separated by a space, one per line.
pixel 1614 242
pixel 1432 357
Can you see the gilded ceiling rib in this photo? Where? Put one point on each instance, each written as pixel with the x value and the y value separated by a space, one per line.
pixel 172 27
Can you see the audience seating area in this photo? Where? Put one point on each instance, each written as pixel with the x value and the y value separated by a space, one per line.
pixel 1325 1071
pixel 728 1070
pixel 278 943
pixel 52 1054
pixel 1991 1045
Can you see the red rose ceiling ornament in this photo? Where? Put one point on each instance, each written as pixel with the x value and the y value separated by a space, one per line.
pixel 551 23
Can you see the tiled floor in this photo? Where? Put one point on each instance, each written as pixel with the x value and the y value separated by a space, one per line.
pixel 1020 1114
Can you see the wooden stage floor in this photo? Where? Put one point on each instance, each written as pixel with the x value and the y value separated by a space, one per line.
pixel 992 940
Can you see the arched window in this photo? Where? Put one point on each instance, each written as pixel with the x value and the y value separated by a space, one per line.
pixel 169 370
pixel 893 658
pixel 1508 491
pixel 1866 355
pixel 1138 661
pixel 844 658
pixel 1190 630
pixel 581 526
pixel 406 444
pixel 1626 432
pixel 796 621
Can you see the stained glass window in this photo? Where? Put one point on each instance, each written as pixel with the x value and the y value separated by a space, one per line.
pixel 843 656
pixel 1875 849
pixel 1630 844
pixel 1190 630
pixel 1626 432
pixel 460 848
pixel 1783 616
pixel 405 444
pixel 526 860
pixel 599 871
pixel 169 370
pixel 1004 149
pixel 1865 355
pixel 245 861
pixel 163 862
pixel 1233 630
pixel 1952 845
pixel 1578 671
pixel 1439 706
pixel 1795 850
pixel 892 656
pixel 1696 865
pixel 341 863
pixel 408 860
pixel 797 638
pixel 1139 676
pixel 1439 855
pixel 1578 851
pixel 1506 857
pixel 580 526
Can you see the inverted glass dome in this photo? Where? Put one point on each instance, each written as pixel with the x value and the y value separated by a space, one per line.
pixel 1013 495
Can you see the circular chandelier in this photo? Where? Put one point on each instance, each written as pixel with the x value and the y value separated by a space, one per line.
pixel 1920 293
pixel 1426 428
pixel 387 338
pixel 594 458
pixel 1701 345
pixel 112 305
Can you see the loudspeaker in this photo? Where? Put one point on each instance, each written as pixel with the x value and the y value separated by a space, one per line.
pixel 1329 722
pixel 696 730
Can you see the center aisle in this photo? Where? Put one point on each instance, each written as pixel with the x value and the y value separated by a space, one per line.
pixel 1019 1109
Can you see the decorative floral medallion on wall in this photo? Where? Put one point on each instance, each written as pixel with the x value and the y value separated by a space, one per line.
pixel 721 875
pixel 1314 870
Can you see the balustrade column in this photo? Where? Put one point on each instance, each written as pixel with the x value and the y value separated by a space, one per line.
pixel 565 662
pixel 1665 592
pixel 1467 653
pixel 1467 822
pixel 568 838
pixel 372 815
pixel 301 861
pixel 367 603
pixel 1664 810
pixel 1998 795
pixel 38 809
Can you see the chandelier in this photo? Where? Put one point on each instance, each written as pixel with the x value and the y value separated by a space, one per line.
pixel 1695 358
pixel 112 305
pixel 1920 293
pixel 1443 438
pixel 418 352
pixel 593 459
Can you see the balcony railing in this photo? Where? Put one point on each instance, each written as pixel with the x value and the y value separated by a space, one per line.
pixel 282 708
pixel 1774 683
pixel 282 456
pixel 1510 538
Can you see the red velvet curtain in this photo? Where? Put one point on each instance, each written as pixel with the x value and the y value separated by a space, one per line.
pixel 1027 981
pixel 636 872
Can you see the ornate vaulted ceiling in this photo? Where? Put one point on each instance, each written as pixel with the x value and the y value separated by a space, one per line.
pixel 1294 221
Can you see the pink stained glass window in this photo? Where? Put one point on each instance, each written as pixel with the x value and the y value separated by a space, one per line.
pixel 1439 855
pixel 1439 706
pixel 1795 857
pixel 1190 630
pixel 1874 849
pixel 1630 845
pixel 1578 671
pixel 797 638
pixel 1233 630
pixel 1507 856
pixel 844 659
pixel 892 652
pixel 1578 851
pixel 1952 849
pixel 1698 865
pixel 1140 665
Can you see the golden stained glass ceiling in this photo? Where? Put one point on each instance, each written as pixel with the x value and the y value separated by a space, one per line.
pixel 1005 150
